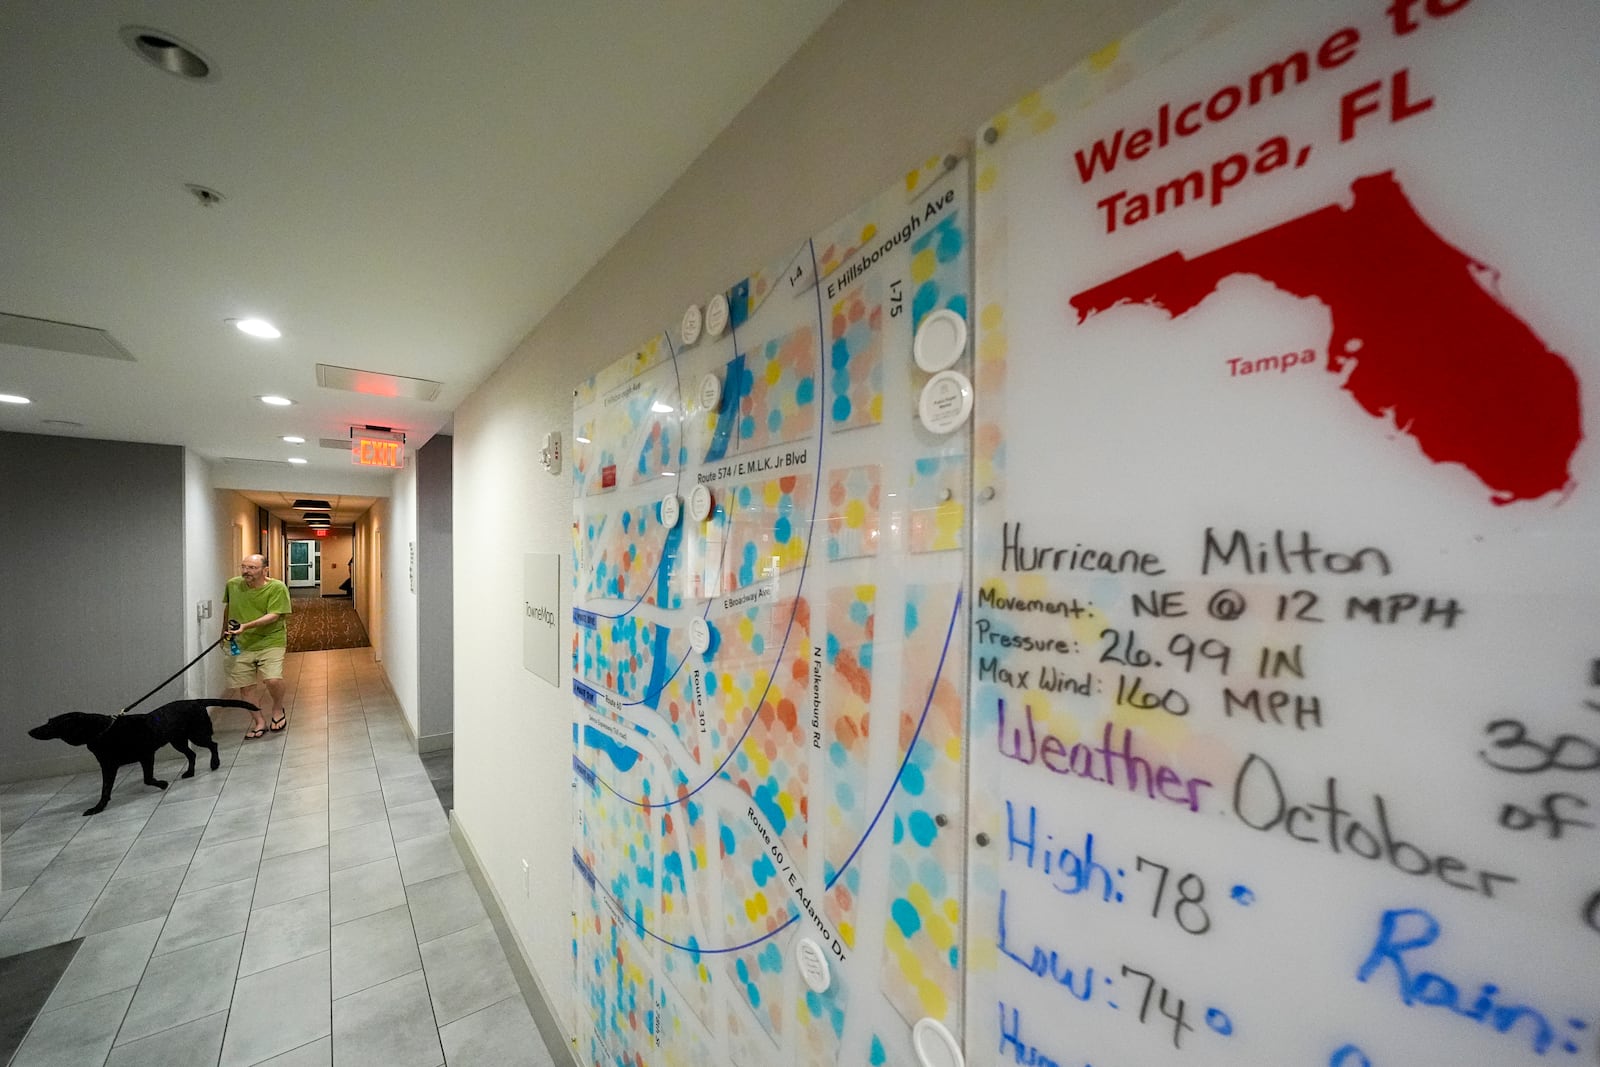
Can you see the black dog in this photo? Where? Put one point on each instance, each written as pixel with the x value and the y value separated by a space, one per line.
pixel 117 740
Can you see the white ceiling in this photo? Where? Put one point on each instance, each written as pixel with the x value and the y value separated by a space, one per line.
pixel 410 185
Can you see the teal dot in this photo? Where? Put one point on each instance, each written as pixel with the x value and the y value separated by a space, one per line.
pixel 841 354
pixel 911 780
pixel 774 420
pixel 905 916
pixel 925 300
pixel 879 1056
pixel 923 830
pixel 949 241
pixel 805 390
pixel 771 958
pixel 859 613
pixel 781 530
pixel 841 409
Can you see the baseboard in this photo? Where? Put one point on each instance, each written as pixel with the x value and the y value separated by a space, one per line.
pixel 556 1040
pixel 79 762
pixel 435 743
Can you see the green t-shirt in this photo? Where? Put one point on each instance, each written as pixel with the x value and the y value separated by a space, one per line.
pixel 246 605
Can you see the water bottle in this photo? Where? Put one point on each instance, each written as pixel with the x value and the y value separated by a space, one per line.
pixel 233 644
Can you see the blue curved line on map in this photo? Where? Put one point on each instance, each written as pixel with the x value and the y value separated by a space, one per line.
pixel 672 536
pixel 894 784
pixel 805 563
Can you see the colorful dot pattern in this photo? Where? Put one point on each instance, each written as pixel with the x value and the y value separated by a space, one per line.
pixel 938 494
pixel 765 527
pixel 855 357
pixel 625 656
pixel 770 765
pixel 939 269
pixel 853 501
pixel 922 938
pixel 845 738
pixel 631 555
pixel 777 398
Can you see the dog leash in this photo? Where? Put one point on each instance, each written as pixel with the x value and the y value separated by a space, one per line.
pixel 158 688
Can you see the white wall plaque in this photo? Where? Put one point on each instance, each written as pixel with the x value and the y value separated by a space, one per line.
pixel 541 615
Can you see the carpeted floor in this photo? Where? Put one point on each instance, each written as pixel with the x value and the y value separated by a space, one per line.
pixel 319 623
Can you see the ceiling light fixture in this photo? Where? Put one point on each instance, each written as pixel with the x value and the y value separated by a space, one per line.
pixel 163 50
pixel 257 328
pixel 293 440
pixel 13 398
pixel 297 459
pixel 276 401
pixel 310 504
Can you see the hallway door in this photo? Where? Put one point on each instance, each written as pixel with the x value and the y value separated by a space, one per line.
pixel 305 564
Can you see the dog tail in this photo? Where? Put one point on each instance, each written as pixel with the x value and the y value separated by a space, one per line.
pixel 219 703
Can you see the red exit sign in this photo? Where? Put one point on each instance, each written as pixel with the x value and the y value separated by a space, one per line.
pixel 377 452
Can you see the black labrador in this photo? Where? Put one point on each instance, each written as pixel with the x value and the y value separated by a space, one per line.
pixel 119 740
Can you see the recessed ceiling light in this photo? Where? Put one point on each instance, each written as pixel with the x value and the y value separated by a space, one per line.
pixel 257 328
pixel 293 440
pixel 165 51
pixel 297 459
pixel 12 398
pixel 276 401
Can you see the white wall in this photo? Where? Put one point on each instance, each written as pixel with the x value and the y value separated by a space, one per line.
pixel 880 88
pixel 207 544
pixel 397 519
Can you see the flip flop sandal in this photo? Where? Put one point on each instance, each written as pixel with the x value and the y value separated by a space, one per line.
pixel 279 723
pixel 255 734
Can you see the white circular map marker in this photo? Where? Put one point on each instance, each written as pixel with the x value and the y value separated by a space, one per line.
pixel 935 1047
pixel 716 315
pixel 813 965
pixel 940 340
pixel 946 402
pixel 700 503
pixel 690 331
pixel 671 508
pixel 699 635
pixel 710 392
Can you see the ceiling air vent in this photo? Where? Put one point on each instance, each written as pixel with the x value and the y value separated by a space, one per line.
pixel 51 336
pixel 376 383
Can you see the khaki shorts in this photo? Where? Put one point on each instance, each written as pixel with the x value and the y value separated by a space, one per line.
pixel 251 664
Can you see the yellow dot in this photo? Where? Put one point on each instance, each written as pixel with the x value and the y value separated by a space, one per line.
pixel 923 264
pixel 1106 56
pixel 855 513
pixel 774 371
pixel 987 177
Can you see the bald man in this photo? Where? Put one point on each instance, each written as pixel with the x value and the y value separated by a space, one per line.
pixel 253 610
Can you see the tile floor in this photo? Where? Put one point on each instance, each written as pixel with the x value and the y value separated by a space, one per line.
pixel 301 905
